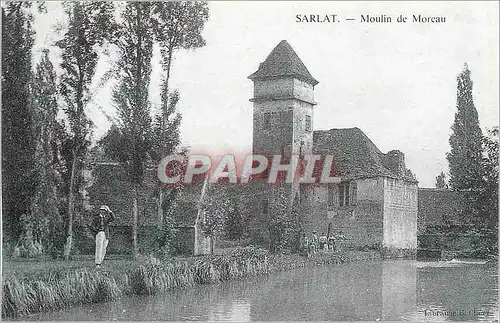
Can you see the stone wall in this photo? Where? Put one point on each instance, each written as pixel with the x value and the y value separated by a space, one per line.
pixel 289 101
pixel 279 134
pixel 303 91
pixel 302 138
pixel 360 223
pixel 274 88
pixel 400 214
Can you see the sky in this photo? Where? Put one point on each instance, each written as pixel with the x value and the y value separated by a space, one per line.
pixel 394 81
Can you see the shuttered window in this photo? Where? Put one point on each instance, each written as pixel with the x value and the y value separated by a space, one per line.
pixel 348 193
pixel 331 195
pixel 354 192
pixel 267 121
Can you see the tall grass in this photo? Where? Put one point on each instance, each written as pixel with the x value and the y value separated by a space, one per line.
pixel 55 290
pixel 155 276
pixel 20 297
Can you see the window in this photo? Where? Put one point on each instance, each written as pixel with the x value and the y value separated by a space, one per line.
pixel 308 124
pixel 354 192
pixel 348 193
pixel 331 195
pixel 342 194
pixel 267 120
pixel 286 117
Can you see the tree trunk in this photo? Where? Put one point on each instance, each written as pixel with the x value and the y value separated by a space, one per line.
pixel 134 222
pixel 212 238
pixel 164 127
pixel 71 208
pixel 160 207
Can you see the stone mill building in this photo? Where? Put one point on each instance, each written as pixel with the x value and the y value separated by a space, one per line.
pixel 375 204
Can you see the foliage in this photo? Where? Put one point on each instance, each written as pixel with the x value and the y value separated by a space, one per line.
pixel 234 225
pixel 90 25
pixel 469 241
pixel 466 139
pixel 48 166
pixel 473 160
pixel 129 142
pixel 284 221
pixel 176 24
pixel 216 205
pixel 440 181
pixel 488 189
pixel 17 118
pixel 179 25
pixel 165 134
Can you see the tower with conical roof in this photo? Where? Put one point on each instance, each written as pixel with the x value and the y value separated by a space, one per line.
pixel 283 104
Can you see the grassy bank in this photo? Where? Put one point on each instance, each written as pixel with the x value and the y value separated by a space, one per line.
pixel 35 291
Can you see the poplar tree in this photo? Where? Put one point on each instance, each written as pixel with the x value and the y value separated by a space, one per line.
pixel 17 118
pixel 440 181
pixel 177 25
pixel 46 221
pixel 90 25
pixel 129 143
pixel 466 139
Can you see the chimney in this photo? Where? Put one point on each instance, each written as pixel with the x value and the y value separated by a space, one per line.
pixel 394 160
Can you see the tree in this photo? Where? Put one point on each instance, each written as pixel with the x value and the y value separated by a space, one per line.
pixel 45 203
pixel 17 117
pixel 234 224
pixel 165 138
pixel 216 205
pixel 177 24
pixel 129 142
pixel 441 182
pixel 284 222
pixel 90 25
pixel 466 139
pixel 488 190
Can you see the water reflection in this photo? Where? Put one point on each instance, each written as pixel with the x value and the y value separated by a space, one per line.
pixel 391 290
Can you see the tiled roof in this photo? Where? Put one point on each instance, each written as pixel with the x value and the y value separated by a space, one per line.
pixel 283 61
pixel 355 155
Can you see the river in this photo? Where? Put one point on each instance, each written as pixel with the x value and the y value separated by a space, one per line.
pixel 385 290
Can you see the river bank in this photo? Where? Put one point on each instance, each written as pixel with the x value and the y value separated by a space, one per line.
pixel 37 291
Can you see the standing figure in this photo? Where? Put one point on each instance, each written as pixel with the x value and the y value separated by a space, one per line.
pixel 340 241
pixel 331 242
pixel 314 242
pixel 304 245
pixel 323 241
pixel 100 225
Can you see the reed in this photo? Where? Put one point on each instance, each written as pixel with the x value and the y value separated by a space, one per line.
pixel 155 276
pixel 21 297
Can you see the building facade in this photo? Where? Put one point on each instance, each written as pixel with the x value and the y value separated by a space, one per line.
pixel 375 204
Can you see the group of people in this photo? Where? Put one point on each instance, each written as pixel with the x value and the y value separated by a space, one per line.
pixel 312 244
